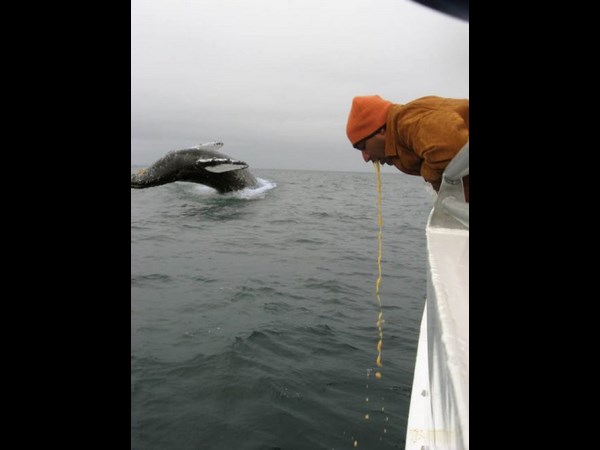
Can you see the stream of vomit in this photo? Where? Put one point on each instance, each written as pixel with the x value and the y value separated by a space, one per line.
pixel 377 284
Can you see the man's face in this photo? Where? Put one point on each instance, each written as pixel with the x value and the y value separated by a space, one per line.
pixel 373 149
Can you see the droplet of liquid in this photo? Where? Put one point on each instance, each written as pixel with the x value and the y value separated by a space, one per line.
pixel 356 443
pixel 378 375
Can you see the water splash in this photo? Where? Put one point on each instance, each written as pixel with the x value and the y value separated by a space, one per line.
pixel 243 194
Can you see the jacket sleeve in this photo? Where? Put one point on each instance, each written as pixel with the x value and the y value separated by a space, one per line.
pixel 436 138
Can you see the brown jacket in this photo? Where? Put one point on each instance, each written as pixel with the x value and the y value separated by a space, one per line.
pixel 424 135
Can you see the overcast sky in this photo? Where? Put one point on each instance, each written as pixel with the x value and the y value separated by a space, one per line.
pixel 274 79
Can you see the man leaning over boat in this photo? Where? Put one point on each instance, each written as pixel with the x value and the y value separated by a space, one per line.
pixel 419 138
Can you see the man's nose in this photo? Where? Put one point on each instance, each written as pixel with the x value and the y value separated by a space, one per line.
pixel 366 156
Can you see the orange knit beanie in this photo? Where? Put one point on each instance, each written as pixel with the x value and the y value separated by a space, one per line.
pixel 367 115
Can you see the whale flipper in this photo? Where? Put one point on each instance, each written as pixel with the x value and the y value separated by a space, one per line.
pixel 220 165
pixel 200 164
pixel 213 146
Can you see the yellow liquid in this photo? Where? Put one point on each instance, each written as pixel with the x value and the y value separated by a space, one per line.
pixel 377 285
pixel 378 282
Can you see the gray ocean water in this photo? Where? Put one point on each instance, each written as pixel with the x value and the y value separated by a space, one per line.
pixel 253 315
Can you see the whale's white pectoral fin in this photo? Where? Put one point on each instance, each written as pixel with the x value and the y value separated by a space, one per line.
pixel 220 165
pixel 224 168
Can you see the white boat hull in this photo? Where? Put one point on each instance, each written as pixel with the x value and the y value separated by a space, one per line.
pixel 439 407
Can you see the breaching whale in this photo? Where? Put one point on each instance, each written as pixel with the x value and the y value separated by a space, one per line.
pixel 200 164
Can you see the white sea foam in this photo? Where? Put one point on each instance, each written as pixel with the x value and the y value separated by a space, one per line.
pixel 247 193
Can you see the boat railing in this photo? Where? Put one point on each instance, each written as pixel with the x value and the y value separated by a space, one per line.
pixel 451 210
